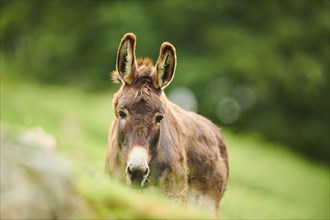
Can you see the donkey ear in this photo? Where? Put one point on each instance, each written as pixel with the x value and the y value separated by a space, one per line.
pixel 165 66
pixel 126 58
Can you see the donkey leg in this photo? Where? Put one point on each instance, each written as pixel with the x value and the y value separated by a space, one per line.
pixel 210 205
pixel 217 210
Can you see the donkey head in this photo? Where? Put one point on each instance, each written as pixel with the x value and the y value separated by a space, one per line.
pixel 139 106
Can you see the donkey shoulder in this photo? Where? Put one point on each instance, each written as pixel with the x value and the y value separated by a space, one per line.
pixel 195 125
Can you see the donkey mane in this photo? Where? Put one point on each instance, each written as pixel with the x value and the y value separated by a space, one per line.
pixel 144 93
pixel 145 63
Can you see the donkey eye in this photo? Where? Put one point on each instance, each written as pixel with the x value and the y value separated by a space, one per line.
pixel 159 118
pixel 122 114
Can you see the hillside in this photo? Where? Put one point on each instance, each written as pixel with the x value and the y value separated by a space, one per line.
pixel 266 181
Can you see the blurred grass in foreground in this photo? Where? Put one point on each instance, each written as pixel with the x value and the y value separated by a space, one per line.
pixel 266 181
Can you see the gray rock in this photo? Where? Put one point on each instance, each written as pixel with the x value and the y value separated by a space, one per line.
pixel 35 183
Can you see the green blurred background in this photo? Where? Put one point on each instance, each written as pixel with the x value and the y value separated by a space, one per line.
pixel 252 65
pixel 256 68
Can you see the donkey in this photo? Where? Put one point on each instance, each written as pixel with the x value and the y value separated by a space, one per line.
pixel 153 142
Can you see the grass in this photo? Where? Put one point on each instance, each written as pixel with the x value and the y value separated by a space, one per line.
pixel 266 180
pixel 269 182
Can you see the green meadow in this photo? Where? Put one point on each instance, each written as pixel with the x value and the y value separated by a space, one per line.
pixel 266 180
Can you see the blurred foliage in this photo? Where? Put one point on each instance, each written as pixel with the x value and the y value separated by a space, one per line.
pixel 265 62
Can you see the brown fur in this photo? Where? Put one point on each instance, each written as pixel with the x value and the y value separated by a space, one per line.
pixel 186 150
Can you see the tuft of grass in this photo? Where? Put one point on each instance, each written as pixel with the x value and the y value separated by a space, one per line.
pixel 266 181
pixel 109 199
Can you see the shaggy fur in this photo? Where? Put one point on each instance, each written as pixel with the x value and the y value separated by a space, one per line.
pixel 187 156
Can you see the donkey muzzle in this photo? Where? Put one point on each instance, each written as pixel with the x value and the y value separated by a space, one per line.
pixel 137 169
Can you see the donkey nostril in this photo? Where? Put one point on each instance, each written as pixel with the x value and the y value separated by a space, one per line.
pixel 136 171
pixel 129 171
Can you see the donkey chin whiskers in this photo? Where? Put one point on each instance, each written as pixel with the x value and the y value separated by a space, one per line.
pixel 145 181
pixel 138 185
